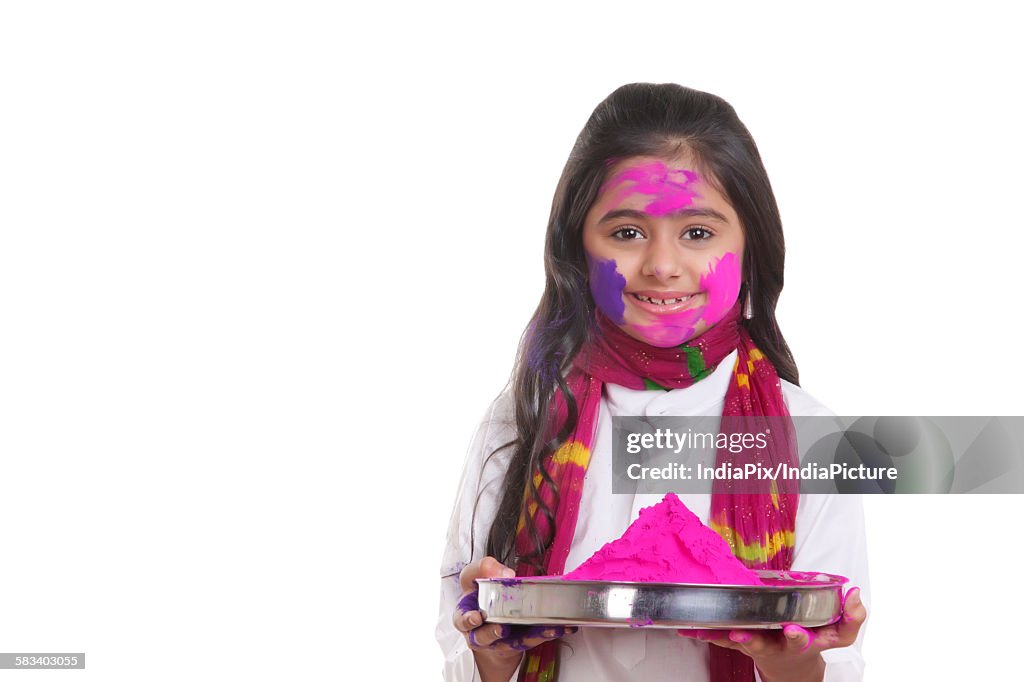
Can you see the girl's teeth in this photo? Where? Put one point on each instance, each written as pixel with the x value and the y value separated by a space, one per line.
pixel 662 301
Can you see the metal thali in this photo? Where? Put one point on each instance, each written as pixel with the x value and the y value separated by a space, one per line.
pixel 807 599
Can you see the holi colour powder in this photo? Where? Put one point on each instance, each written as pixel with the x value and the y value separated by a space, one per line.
pixel 722 282
pixel 672 329
pixel 606 285
pixel 671 189
pixel 668 543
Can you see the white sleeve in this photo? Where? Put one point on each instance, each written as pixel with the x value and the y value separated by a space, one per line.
pixel 830 538
pixel 475 507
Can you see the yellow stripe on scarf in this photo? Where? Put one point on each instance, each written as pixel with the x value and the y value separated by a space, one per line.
pixel 754 550
pixel 571 452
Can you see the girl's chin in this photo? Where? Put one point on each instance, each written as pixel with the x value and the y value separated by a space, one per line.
pixel 660 336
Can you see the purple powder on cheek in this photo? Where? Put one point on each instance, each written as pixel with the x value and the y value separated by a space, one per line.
pixel 606 285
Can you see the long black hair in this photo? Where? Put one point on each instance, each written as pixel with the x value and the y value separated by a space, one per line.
pixel 640 119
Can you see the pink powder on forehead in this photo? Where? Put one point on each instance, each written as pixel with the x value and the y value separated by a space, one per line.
pixel 667 543
pixel 671 189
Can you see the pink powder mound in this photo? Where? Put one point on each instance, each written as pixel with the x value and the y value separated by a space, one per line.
pixel 669 544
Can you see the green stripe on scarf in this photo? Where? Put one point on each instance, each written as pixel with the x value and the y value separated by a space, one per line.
pixel 651 386
pixel 695 362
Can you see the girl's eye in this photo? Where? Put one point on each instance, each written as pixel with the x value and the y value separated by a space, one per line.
pixel 697 233
pixel 627 234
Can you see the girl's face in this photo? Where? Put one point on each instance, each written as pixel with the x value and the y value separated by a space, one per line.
pixel 664 250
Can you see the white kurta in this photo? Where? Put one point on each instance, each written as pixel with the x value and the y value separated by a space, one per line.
pixel 829 538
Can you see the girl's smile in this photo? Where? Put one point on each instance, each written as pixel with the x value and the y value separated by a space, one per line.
pixel 664 302
pixel 664 250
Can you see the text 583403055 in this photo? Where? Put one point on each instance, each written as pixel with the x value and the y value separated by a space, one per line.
pixel 52 661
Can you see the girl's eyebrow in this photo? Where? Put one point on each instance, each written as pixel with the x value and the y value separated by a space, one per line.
pixel 682 213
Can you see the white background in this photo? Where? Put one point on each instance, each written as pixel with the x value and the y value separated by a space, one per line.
pixel 263 266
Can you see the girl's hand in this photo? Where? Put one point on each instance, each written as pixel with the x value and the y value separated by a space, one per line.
pixel 502 644
pixel 795 653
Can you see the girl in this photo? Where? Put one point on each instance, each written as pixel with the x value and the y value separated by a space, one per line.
pixel 664 262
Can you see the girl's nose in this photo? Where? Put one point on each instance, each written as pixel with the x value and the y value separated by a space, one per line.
pixel 662 263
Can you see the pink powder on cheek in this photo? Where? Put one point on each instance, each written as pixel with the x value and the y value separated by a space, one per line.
pixel 671 189
pixel 722 284
pixel 667 543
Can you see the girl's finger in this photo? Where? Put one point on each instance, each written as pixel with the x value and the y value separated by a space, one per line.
pixel 467 613
pixel 486 635
pixel 854 615
pixel 723 642
pixel 751 644
pixel 464 622
pixel 797 637
pixel 853 607
pixel 492 568
pixel 527 638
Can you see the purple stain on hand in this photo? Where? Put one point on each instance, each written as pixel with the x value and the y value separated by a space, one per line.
pixel 470 602
pixel 515 637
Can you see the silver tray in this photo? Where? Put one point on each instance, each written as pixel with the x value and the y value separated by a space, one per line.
pixel 807 599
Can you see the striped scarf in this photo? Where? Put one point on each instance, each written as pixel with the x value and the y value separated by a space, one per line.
pixel 758 527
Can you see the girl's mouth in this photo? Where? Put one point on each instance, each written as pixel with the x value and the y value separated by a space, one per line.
pixel 663 306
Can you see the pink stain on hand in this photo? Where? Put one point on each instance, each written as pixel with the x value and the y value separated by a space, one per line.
pixel 789 629
pixel 671 189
